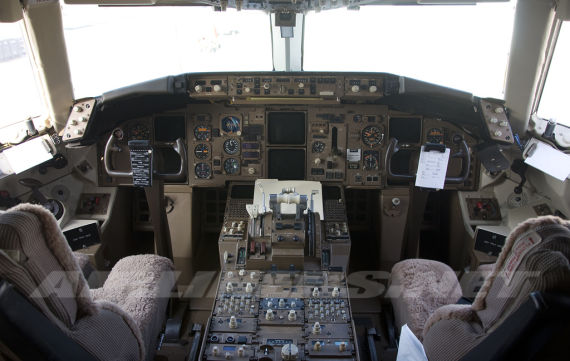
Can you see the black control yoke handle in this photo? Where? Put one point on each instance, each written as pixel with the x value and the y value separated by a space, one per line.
pixel 178 147
pixel 393 148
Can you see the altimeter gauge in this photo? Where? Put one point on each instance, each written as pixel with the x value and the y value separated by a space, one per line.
pixel 231 146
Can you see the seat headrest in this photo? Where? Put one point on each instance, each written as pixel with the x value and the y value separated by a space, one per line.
pixel 535 257
pixel 36 258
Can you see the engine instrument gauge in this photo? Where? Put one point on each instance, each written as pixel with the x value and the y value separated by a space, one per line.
pixel 318 147
pixel 230 125
pixel 231 146
pixel 203 170
pixel 372 135
pixel 231 166
pixel 202 151
pixel 203 132
pixel 139 131
pixel 371 160
pixel 434 135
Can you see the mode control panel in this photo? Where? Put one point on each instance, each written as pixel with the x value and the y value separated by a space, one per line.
pixel 286 86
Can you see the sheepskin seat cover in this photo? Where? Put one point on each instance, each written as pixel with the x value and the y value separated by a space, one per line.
pixel 36 258
pixel 417 288
pixel 140 285
pixel 535 257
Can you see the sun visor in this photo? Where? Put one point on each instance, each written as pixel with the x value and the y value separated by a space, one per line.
pixel 563 10
pixel 10 11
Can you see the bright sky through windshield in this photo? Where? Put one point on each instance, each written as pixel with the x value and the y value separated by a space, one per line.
pixel 463 47
pixel 112 47
pixel 554 100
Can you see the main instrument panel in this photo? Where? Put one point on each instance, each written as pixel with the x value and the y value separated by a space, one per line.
pixel 322 128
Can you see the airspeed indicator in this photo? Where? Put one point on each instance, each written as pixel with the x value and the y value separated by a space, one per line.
pixel 372 135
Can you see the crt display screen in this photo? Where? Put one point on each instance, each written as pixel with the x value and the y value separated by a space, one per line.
pixel 286 128
pixel 286 164
pixel 406 130
pixel 169 128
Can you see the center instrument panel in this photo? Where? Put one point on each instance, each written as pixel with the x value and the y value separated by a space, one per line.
pixel 292 128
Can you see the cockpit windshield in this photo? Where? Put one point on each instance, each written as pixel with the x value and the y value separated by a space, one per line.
pixel 462 47
pixel 447 45
pixel 112 47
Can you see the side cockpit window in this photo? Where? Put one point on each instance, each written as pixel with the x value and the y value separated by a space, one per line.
pixel 19 86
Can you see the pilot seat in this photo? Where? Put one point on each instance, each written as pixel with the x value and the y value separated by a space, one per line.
pixel 47 310
pixel 522 305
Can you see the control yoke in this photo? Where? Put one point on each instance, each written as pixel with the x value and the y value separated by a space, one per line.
pixel 393 148
pixel 118 134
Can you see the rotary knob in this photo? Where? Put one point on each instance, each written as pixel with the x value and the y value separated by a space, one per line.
pixel 335 292
pixel 355 88
pixel 248 288
pixel 233 322
pixel 373 89
pixel 301 85
pixel 292 316
pixel 198 88
pixel 251 171
pixel 229 287
pixel 266 86
pixel 215 350
pixel 241 272
pixel 289 352
pixel 269 315
pixel 217 88
pixel 342 347
pixel 317 161
pixel 317 346
pixel 315 292
pixel 77 109
pixel 316 328
pixel 247 89
pixel 281 303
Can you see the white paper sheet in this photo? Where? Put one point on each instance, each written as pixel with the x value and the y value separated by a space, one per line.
pixel 410 348
pixel 549 160
pixel 28 154
pixel 432 168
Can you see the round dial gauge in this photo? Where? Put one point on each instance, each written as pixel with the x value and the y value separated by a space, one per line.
pixel 203 170
pixel 231 146
pixel 231 166
pixel 318 147
pixel 372 135
pixel 371 160
pixel 230 125
pixel 202 151
pixel 139 132
pixel 434 135
pixel 203 132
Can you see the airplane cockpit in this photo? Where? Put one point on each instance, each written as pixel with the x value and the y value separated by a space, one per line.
pixel 284 180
